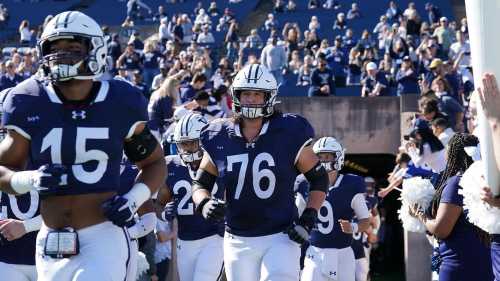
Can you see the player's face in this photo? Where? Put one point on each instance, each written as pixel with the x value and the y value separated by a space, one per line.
pixel 252 98
pixel 189 146
pixel 326 157
pixel 72 51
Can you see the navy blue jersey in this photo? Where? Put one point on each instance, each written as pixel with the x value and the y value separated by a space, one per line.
pixel 22 207
pixel 371 201
pixel 337 205
pixel 259 176
pixel 88 139
pixel 192 226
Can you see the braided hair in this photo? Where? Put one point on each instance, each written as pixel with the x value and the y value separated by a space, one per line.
pixel 458 162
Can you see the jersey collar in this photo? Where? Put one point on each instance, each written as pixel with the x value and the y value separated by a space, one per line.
pixel 337 182
pixel 101 95
pixel 263 130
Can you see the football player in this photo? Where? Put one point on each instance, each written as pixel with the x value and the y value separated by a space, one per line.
pixel 75 130
pixel 330 255
pixel 199 245
pixel 257 155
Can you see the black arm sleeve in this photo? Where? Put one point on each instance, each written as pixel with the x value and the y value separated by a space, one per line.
pixel 203 180
pixel 140 146
pixel 318 178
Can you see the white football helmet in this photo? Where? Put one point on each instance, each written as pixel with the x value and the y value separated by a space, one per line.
pixel 255 77
pixel 180 112
pixel 330 145
pixel 186 130
pixel 62 66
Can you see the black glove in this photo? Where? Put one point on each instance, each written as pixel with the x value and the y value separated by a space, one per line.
pixel 300 229
pixel 212 208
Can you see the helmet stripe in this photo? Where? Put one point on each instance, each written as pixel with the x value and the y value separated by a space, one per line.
pixel 187 124
pixel 249 77
pixel 67 19
pixel 256 73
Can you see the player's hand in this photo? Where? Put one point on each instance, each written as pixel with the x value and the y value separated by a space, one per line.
pixel 169 212
pixel 487 196
pixel 119 210
pixel 489 94
pixel 12 229
pixel 383 193
pixel 299 230
pixel 47 179
pixel 345 225
pixel 212 208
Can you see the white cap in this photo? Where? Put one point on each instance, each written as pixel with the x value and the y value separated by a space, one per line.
pixel 371 66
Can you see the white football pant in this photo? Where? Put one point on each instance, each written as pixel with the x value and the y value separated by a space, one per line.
pixel 266 258
pixel 17 272
pixel 329 264
pixel 362 268
pixel 104 256
pixel 132 264
pixel 200 260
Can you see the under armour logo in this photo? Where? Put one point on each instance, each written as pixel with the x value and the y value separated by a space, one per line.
pixel 310 256
pixel 79 114
pixel 251 145
pixel 134 205
pixel 333 273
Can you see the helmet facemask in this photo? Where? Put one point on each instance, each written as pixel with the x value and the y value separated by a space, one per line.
pixel 333 163
pixel 62 65
pixel 254 111
pixel 190 151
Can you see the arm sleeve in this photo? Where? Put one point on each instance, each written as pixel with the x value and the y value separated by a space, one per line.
pixel 358 204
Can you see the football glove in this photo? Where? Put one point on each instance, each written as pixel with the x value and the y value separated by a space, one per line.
pixel 212 208
pixel 300 229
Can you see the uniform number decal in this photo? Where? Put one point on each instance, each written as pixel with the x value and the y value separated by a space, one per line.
pixel 14 207
pixel 184 208
pixel 257 174
pixel 53 140
pixel 326 222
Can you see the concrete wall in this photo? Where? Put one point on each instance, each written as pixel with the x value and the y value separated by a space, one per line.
pixel 364 125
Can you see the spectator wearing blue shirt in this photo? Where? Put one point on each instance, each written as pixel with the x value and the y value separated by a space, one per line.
pixel 348 39
pixel 448 105
pixel 10 78
pixel 197 83
pixel 150 60
pixel 374 84
pixel 462 254
pixel 138 82
pixel 433 13
pixel 160 107
pixel 304 76
pixel 322 79
pixel 406 78
pixel 340 22
pixel 393 12
pixel 337 61
pixel 354 12
pixel 130 59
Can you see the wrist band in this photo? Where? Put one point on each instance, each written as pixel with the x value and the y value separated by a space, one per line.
pixel 33 224
pixel 354 227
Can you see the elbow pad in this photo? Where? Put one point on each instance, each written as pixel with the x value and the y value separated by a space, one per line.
pixel 318 178
pixel 144 225
pixel 203 180
pixel 140 146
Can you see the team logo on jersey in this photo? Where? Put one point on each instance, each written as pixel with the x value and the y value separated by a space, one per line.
pixel 33 118
pixel 79 114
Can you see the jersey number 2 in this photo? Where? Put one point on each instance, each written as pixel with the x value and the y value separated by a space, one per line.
pixel 53 140
pixel 257 175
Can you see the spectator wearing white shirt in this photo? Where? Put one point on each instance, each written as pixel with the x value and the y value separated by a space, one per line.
pixel 163 33
pixel 25 33
pixel 461 46
pixel 314 24
pixel 425 148
pixel 202 18
pixel 205 37
pixel 270 22
pixel 441 130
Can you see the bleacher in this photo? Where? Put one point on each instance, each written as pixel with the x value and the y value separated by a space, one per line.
pixel 371 11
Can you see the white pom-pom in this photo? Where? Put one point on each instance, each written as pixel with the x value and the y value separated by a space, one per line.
pixel 410 223
pixel 416 191
pixel 478 212
pixel 142 264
